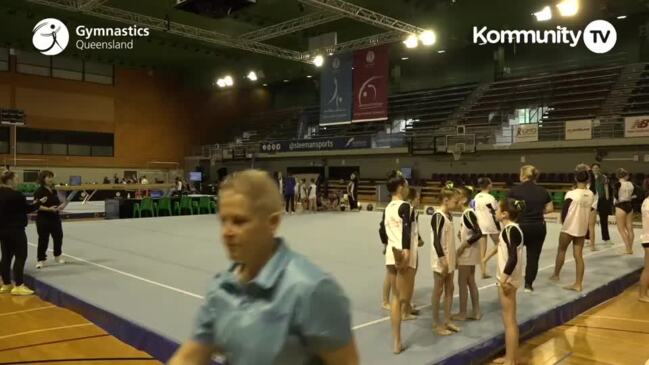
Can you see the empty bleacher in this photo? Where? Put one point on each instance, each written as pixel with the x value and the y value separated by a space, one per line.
pixel 638 102
pixel 568 96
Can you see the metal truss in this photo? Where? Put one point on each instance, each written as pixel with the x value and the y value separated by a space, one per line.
pixel 250 41
pixel 361 43
pixel 363 15
pixel 179 29
pixel 291 26
pixel 89 4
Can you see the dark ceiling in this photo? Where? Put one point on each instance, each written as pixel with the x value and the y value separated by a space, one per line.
pixel 452 20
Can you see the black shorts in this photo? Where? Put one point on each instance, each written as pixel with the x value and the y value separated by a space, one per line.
pixel 645 245
pixel 627 207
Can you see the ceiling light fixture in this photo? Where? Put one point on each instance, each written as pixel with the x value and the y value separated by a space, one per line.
pixel 428 37
pixel 411 41
pixel 544 14
pixel 318 61
pixel 568 7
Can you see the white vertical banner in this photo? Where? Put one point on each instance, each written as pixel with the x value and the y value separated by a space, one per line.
pixel 579 129
pixel 636 126
pixel 526 133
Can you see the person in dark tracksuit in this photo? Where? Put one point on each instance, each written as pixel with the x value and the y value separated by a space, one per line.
pixel 13 220
pixel 48 221
pixel 289 193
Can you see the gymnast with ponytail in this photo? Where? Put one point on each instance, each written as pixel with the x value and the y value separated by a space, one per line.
pixel 468 257
pixel 510 272
pixel 443 259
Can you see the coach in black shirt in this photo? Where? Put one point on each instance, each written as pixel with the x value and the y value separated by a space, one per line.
pixel 48 220
pixel 13 220
pixel 532 223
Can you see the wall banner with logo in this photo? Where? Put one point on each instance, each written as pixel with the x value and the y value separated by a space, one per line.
pixel 371 83
pixel 636 126
pixel 526 133
pixel 320 144
pixel 579 129
pixel 336 90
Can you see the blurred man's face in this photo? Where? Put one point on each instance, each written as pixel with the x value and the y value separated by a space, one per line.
pixel 244 231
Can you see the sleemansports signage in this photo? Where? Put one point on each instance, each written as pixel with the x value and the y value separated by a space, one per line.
pixel 320 144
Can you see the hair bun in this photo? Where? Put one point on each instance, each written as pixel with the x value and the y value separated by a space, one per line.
pixel 470 188
pixel 449 185
pixel 519 204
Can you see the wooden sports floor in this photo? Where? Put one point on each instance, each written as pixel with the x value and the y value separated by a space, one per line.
pixel 614 333
pixel 35 332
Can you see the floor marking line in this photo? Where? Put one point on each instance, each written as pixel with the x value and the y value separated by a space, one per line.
pixel 46 330
pixel 602 328
pixel 383 319
pixel 27 310
pixel 132 276
pixel 614 318
pixel 564 357
pixel 67 340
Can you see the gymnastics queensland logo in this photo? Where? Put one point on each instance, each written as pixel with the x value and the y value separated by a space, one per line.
pixel 50 36
pixel 599 36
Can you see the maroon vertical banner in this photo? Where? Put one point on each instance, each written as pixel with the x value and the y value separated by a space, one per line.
pixel 371 82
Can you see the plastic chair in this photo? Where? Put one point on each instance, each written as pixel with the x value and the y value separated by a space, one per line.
pixel 164 205
pixel 136 210
pixel 558 197
pixel 184 205
pixel 205 204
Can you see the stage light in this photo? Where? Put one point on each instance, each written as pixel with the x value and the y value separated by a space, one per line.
pixel 544 14
pixel 252 76
pixel 221 83
pixel 404 58
pixel 568 7
pixel 411 41
pixel 441 51
pixel 427 38
pixel 308 76
pixel 318 60
pixel 228 80
pixel 621 17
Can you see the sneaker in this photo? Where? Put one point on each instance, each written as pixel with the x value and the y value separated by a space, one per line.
pixel 6 289
pixel 22 290
pixel 59 260
pixel 529 289
pixel 40 264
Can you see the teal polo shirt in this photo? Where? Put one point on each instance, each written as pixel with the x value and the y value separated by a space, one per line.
pixel 290 312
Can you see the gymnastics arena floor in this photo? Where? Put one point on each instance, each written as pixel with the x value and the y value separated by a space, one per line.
pixel 143 281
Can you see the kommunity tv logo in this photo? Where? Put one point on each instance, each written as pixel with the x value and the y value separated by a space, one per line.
pixel 599 36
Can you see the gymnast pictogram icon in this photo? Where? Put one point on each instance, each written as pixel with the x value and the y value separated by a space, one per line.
pixel 50 36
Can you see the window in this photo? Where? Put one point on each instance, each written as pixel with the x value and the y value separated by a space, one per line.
pixel 4 140
pixel 70 143
pixel 530 115
pixel 98 73
pixel 33 63
pixel 4 59
pixel 61 67
pixel 399 125
pixel 67 68
pixel 30 176
pixel 28 141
